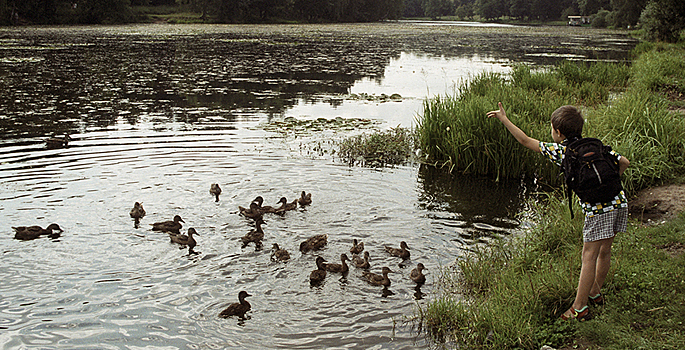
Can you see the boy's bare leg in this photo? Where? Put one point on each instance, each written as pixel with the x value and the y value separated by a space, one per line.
pixel 587 273
pixel 603 265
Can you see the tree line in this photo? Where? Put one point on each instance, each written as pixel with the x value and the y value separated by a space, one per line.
pixel 664 16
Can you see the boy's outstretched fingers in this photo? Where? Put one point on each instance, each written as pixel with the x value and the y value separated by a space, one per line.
pixel 497 113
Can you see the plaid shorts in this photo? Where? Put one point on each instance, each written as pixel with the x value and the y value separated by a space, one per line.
pixel 605 225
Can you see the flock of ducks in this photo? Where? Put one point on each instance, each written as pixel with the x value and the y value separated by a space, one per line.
pixel 256 211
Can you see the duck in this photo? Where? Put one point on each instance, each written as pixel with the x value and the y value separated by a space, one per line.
pixel 270 209
pixel 26 233
pixel 187 240
pixel 305 199
pixel 319 274
pixel 58 141
pixel 169 226
pixel 237 309
pixel 314 243
pixel 401 252
pixel 342 267
pixel 357 248
pixel 362 263
pixel 255 235
pixel 376 279
pixel 253 211
pixel 215 190
pixel 287 206
pixel 137 212
pixel 417 275
pixel 279 254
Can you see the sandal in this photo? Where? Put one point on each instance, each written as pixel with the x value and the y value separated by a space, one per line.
pixel 580 315
pixel 597 299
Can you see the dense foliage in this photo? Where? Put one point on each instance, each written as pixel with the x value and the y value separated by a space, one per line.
pixel 618 13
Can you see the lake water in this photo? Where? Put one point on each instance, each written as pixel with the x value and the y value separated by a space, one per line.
pixel 159 112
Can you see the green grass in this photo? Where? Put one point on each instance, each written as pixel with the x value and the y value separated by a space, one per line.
pixel 379 148
pixel 510 295
pixel 623 106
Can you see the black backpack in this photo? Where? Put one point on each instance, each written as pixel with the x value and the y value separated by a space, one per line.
pixel 590 171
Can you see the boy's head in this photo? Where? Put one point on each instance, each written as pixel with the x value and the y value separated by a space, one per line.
pixel 568 121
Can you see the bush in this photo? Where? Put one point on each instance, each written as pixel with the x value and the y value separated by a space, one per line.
pixel 599 20
pixel 663 20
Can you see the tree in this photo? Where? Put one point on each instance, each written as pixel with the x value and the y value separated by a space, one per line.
pixel 663 19
pixel 627 12
pixel 491 9
pixel 437 8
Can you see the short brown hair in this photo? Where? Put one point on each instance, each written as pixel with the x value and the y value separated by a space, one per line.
pixel 568 121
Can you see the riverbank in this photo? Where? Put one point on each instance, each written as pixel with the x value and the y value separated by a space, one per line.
pixel 510 296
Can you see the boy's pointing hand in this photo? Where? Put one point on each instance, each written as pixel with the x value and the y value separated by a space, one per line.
pixel 499 114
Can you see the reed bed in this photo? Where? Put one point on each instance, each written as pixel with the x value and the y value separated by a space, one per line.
pixel 454 133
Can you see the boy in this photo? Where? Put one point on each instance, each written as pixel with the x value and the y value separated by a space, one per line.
pixel 602 220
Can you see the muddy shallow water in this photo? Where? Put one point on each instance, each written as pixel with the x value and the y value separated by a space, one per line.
pixel 160 112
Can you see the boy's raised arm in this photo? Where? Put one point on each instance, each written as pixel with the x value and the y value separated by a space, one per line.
pixel 520 136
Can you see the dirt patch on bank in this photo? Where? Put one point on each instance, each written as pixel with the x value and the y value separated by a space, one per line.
pixel 658 204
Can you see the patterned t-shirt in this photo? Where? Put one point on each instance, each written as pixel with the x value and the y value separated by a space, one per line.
pixel 555 153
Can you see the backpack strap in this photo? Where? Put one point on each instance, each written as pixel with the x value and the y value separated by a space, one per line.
pixel 569 192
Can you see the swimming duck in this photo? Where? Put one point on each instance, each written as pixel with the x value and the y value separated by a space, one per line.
pixel 305 199
pixel 319 274
pixel 185 239
pixel 362 263
pixel 416 274
pixel 270 209
pixel 169 226
pixel 376 279
pixel 237 309
pixel 57 141
pixel 137 212
pixel 287 206
pixel 342 267
pixel 255 235
pixel 215 190
pixel 314 243
pixel 357 248
pixel 402 252
pixel 252 212
pixel 279 254
pixel 26 233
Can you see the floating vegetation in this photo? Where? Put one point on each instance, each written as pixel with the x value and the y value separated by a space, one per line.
pixel 376 98
pixel 13 60
pixel 381 148
pixel 292 125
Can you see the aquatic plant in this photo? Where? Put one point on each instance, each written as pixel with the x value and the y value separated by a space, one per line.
pixel 380 148
pixel 453 131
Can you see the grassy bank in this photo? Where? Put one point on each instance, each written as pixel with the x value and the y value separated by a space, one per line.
pixel 509 296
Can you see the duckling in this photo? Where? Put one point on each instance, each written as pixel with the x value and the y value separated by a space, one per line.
pixel 417 275
pixel 215 190
pixel 26 233
pixel 256 235
pixel 169 226
pixel 357 248
pixel 402 252
pixel 319 274
pixel 305 199
pixel 137 212
pixel 314 243
pixel 287 206
pixel 237 309
pixel 252 212
pixel 185 239
pixel 279 254
pixel 362 263
pixel 376 279
pixel 270 209
pixel 338 267
pixel 57 141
